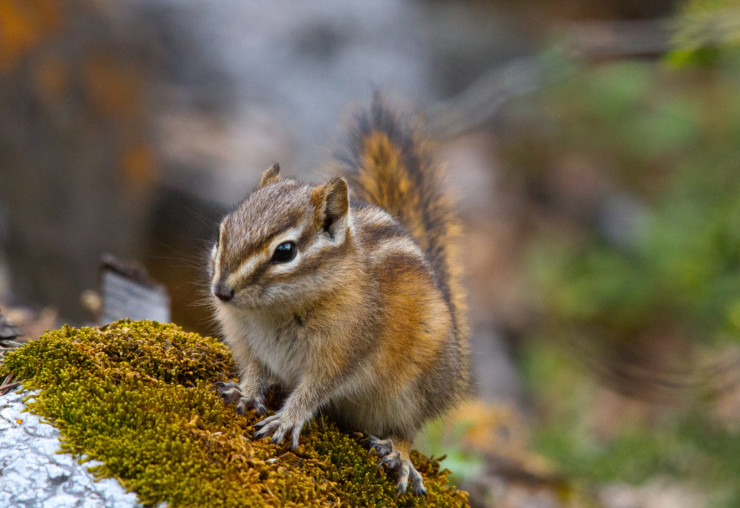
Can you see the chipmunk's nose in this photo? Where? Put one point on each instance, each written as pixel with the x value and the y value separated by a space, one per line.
pixel 222 291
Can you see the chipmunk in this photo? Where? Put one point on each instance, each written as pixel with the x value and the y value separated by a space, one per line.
pixel 349 300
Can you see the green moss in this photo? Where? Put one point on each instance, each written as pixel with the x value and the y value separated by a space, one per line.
pixel 138 397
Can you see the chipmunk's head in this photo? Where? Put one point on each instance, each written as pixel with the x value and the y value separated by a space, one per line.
pixel 281 244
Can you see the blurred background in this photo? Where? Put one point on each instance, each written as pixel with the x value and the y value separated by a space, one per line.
pixel 593 146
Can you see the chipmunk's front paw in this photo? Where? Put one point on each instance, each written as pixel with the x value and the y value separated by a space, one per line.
pixel 278 425
pixel 231 393
pixel 382 446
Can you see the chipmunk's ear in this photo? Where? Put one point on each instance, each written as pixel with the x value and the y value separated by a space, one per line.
pixel 271 175
pixel 332 207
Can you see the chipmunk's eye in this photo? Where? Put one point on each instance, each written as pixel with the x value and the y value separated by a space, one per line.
pixel 284 252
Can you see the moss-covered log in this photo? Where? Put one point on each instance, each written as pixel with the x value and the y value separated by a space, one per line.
pixel 138 396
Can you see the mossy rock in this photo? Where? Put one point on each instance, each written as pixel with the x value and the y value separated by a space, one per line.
pixel 138 397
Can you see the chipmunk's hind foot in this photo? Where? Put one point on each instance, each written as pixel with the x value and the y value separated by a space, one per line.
pixel 394 453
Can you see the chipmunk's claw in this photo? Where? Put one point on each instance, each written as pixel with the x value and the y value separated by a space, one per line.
pixel 278 426
pixel 397 461
pixel 231 393
pixel 382 446
pixel 417 483
pixel 391 461
pixel 256 404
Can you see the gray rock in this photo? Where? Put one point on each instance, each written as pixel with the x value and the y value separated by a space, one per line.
pixel 35 475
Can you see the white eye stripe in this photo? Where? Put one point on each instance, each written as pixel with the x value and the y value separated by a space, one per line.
pixel 244 270
pixel 247 267
pixel 286 267
pixel 290 235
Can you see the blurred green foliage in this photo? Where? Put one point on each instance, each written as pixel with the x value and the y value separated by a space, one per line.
pixel 684 446
pixel 644 267
pixel 670 142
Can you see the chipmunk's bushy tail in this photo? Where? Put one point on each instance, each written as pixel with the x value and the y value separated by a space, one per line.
pixel 388 163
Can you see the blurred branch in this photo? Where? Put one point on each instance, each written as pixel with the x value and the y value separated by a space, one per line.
pixel 713 27
pixel 483 99
pixel 8 384
pixel 618 39
pixel 584 42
